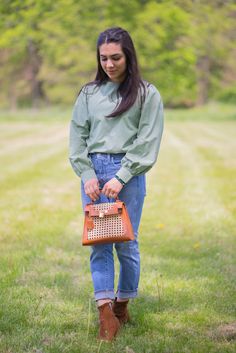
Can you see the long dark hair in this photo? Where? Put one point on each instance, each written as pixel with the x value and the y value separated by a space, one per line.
pixel 129 88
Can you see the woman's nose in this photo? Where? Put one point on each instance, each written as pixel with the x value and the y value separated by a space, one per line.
pixel 109 63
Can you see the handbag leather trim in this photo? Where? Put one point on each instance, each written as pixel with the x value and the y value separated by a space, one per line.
pixel 115 209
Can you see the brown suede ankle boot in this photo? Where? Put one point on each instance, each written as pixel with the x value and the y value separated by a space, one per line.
pixel 121 311
pixel 109 324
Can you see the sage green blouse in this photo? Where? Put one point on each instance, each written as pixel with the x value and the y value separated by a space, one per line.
pixel 136 133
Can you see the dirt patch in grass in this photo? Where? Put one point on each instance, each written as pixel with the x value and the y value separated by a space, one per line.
pixel 226 332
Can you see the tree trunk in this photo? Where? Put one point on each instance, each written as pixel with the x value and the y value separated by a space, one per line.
pixel 12 98
pixel 34 64
pixel 203 79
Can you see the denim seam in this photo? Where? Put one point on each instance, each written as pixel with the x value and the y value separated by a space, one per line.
pixel 136 205
pixel 127 291
pixel 104 294
pixel 106 267
pixel 127 294
pixel 103 290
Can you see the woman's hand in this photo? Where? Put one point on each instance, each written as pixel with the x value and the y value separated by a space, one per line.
pixel 91 188
pixel 112 188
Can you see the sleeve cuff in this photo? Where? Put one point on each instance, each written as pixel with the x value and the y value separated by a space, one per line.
pixel 88 174
pixel 124 174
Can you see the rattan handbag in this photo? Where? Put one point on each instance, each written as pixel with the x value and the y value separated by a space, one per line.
pixel 106 223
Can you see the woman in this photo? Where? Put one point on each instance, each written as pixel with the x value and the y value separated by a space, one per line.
pixel 115 136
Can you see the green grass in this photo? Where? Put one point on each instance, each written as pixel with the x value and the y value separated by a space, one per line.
pixel 213 111
pixel 187 242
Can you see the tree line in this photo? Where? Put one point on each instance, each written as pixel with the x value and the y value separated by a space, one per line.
pixel 185 47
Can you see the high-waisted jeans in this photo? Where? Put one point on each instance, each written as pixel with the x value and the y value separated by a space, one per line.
pixel 101 259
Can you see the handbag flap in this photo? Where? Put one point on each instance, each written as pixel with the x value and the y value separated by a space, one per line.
pixel 105 209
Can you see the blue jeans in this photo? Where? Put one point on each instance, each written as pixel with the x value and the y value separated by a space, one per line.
pixel 101 259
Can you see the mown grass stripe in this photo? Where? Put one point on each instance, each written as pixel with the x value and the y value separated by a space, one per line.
pixel 22 172
pixel 188 265
pixel 15 146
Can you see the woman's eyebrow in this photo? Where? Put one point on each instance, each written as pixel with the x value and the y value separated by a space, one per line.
pixel 117 54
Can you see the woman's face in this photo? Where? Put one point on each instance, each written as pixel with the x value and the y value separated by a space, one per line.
pixel 113 61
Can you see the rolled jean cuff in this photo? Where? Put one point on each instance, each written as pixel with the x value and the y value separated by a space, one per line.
pixel 104 294
pixel 126 294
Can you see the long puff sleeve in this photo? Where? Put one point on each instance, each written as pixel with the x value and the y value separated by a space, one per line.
pixel 143 153
pixel 79 133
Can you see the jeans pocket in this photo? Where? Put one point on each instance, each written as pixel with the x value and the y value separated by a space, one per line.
pixel 97 165
pixel 116 163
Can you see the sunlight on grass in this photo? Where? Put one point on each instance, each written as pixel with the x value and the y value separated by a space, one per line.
pixel 187 243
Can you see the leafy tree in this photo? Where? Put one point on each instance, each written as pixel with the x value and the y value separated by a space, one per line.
pixel 185 47
pixel 166 54
pixel 213 28
pixel 21 40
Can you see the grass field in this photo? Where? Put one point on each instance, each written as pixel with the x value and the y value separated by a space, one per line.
pixel 187 299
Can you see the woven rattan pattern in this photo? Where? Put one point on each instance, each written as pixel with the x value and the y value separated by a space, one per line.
pixel 106 225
